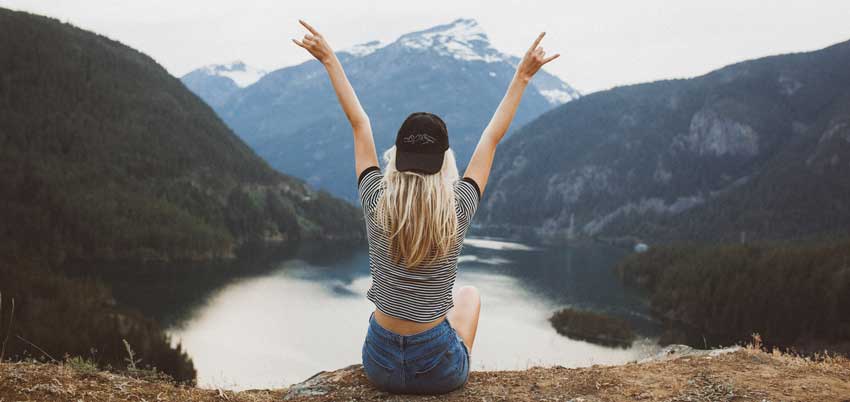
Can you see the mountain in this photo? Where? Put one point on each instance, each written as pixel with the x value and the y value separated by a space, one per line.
pixel 214 83
pixel 756 150
pixel 292 119
pixel 105 155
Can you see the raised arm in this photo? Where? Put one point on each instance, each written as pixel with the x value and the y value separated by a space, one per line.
pixel 364 144
pixel 482 158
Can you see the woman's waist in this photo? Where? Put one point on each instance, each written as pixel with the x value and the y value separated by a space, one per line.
pixel 404 327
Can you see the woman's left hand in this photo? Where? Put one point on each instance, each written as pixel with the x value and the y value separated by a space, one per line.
pixel 315 43
pixel 534 59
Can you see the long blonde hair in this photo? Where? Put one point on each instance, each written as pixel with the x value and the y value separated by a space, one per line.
pixel 417 211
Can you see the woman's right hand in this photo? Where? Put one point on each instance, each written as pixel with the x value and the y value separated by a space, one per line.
pixel 316 44
pixel 534 59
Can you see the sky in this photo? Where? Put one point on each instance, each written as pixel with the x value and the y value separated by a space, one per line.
pixel 602 43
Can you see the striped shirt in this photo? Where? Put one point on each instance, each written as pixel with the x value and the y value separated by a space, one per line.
pixel 422 293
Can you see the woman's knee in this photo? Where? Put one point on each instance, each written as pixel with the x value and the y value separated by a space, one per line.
pixel 469 294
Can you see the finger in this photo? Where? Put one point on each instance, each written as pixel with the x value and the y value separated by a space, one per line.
pixel 537 41
pixel 550 58
pixel 299 43
pixel 537 54
pixel 308 36
pixel 309 27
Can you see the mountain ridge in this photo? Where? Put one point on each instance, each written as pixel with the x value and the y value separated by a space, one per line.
pixel 668 159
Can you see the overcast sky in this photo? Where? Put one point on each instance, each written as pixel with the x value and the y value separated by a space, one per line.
pixel 602 43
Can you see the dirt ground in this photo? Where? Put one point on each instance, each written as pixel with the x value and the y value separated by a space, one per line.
pixel 741 375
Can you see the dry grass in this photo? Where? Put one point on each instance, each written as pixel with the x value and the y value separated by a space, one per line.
pixel 747 374
pixel 28 381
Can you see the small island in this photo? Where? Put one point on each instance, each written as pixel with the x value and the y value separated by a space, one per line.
pixel 593 327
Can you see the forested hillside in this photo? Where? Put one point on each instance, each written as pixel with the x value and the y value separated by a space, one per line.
pixel 793 295
pixel 755 150
pixel 105 155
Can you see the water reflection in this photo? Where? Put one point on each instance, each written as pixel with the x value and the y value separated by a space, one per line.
pixel 273 320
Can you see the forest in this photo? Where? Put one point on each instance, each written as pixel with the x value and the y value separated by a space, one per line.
pixel 45 315
pixel 795 296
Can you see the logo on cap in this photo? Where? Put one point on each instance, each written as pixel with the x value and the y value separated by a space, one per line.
pixel 421 138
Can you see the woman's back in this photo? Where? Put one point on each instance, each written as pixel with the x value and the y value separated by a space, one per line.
pixel 422 293
pixel 409 346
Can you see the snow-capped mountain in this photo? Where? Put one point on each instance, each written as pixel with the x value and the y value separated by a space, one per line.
pixel 216 82
pixel 464 39
pixel 291 116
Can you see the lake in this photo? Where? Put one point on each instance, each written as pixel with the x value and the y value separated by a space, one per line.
pixel 270 319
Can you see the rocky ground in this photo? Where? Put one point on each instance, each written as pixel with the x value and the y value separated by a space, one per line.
pixel 681 374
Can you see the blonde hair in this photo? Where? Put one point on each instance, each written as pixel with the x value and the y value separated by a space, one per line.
pixel 417 211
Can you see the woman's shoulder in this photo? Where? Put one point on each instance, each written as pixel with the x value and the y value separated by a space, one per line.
pixel 468 196
pixel 369 186
pixel 370 172
pixel 466 186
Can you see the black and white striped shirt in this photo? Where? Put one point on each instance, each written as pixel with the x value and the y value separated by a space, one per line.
pixel 422 293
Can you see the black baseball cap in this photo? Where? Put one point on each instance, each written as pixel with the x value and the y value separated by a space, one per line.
pixel 421 143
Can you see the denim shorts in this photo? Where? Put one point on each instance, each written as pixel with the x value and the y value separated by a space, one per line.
pixel 434 361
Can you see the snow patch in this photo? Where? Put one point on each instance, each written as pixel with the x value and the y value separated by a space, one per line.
pixel 241 74
pixel 556 96
pixel 364 49
pixel 462 39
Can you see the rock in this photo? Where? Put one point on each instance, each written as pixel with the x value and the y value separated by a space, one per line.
pixel 676 351
pixel 322 382
pixel 712 133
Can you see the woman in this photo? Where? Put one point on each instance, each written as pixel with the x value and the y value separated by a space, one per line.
pixel 417 214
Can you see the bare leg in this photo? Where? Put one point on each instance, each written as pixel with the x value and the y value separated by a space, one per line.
pixel 464 315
